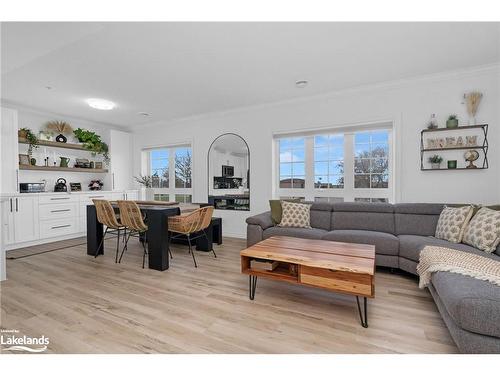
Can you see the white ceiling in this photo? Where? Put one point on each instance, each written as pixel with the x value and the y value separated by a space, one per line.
pixel 175 70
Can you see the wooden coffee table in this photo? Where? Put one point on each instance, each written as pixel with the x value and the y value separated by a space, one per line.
pixel 336 266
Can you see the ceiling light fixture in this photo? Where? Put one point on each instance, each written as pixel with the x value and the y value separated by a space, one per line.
pixel 102 104
pixel 301 84
pixel 145 114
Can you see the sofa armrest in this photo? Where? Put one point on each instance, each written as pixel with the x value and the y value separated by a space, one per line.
pixel 263 220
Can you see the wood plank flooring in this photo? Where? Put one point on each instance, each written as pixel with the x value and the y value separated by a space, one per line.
pixel 87 305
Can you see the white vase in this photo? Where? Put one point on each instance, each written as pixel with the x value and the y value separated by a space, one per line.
pixel 148 194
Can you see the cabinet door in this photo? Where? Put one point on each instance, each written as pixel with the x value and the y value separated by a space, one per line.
pixel 9 151
pixel 121 160
pixel 26 222
pixel 8 221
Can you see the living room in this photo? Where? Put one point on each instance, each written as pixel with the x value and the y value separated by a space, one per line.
pixel 250 187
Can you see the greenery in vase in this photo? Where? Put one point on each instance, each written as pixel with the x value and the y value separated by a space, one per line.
pixel 92 142
pixel 32 140
pixel 452 117
pixel 435 159
pixel 146 181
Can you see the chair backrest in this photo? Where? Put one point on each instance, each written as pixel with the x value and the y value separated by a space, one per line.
pixel 131 216
pixel 106 214
pixel 193 222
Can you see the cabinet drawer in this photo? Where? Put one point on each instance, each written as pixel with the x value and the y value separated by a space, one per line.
pixel 60 227
pixel 58 211
pixel 63 198
pixel 341 281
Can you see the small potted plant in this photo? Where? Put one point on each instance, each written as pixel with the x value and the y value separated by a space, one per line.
pixel 435 161
pixel 452 122
pixel 31 138
pixel 147 182
pixel 92 142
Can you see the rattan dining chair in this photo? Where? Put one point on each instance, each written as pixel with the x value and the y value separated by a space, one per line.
pixel 196 222
pixel 131 218
pixel 106 216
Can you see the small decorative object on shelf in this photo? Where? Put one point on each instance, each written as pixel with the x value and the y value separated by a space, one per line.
pixel 33 161
pixel 433 122
pixel 61 127
pixel 92 142
pixel 472 100
pixel 460 141
pixel 471 156
pixel 452 164
pixel 30 138
pixel 451 142
pixel 98 164
pixel 64 162
pixel 75 186
pixel 46 135
pixel 452 122
pixel 96 185
pixel 435 161
pixel 24 159
pixel 471 140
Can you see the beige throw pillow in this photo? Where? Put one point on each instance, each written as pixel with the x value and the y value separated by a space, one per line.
pixel 483 231
pixel 295 215
pixel 452 223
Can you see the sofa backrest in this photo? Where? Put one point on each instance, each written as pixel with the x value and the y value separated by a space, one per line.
pixel 321 215
pixel 363 216
pixel 417 218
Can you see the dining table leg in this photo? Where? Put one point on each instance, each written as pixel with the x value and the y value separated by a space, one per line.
pixel 157 240
pixel 94 233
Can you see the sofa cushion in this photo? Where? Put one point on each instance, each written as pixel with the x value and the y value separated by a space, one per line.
pixel 483 230
pixel 452 223
pixel 411 245
pixel 370 221
pixel 385 243
pixel 263 220
pixel 295 215
pixel 321 219
pixel 276 210
pixel 473 304
pixel 417 218
pixel 311 233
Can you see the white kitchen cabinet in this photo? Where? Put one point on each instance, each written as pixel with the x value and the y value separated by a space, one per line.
pixel 20 220
pixel 9 151
pixel 121 160
pixel 8 221
pixel 26 219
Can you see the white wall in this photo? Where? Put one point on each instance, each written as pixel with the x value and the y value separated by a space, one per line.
pixel 36 120
pixel 407 103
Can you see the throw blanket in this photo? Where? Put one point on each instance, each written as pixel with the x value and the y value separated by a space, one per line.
pixel 435 258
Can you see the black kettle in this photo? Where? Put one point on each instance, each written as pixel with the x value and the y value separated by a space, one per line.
pixel 61 185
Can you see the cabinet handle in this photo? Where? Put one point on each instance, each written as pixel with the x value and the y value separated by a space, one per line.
pixel 17 206
pixel 96 196
pixel 10 204
pixel 17 180
pixel 61 226
pixel 58 199
pixel 66 210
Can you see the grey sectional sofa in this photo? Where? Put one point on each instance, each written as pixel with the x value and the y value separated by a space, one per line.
pixel 469 307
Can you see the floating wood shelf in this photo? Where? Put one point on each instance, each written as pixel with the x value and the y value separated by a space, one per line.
pixel 457 128
pixel 61 169
pixel 72 146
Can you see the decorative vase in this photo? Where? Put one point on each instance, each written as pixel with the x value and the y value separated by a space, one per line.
pixel 149 194
pixel 435 165
pixel 64 162
pixel 453 123
pixel 22 133
pixel 33 161
pixel 452 164
pixel 61 139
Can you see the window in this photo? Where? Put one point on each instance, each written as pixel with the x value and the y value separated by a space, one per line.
pixel 292 163
pixel 329 161
pixel 338 166
pixel 170 164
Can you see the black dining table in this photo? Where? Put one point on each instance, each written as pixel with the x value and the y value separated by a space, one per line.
pixel 157 234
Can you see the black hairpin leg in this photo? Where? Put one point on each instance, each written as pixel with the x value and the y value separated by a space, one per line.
pixel 252 285
pixel 101 244
pixel 364 321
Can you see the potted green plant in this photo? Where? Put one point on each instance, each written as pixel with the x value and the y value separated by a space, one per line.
pixel 31 138
pixel 452 122
pixel 147 183
pixel 435 161
pixel 92 142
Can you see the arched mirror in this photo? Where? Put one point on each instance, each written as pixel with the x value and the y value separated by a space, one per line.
pixel 229 173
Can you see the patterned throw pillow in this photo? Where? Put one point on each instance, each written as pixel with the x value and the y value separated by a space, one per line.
pixel 452 222
pixel 295 215
pixel 483 231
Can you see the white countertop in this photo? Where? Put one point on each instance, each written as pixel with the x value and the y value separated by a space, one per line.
pixel 64 193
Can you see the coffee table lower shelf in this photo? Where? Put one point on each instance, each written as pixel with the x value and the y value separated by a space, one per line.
pixel 358 285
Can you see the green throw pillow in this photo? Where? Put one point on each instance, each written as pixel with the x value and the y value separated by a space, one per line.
pixel 276 211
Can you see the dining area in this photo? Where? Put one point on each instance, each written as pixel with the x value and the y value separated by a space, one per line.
pixel 156 225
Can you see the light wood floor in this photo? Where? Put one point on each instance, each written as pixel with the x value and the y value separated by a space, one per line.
pixel 87 305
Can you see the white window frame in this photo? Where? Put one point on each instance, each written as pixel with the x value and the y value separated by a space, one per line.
pixel 171 191
pixel 348 193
